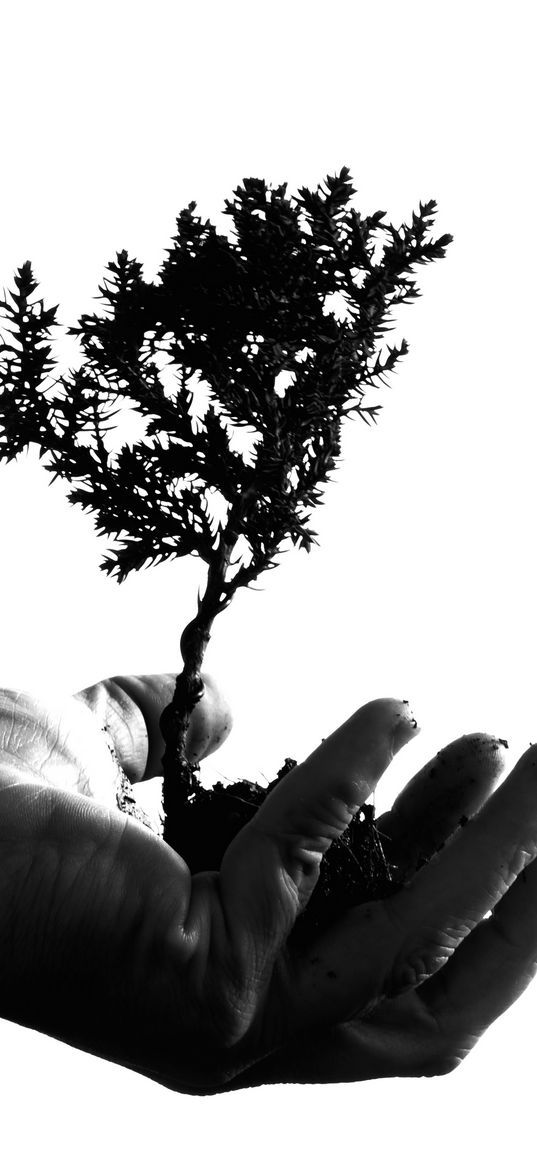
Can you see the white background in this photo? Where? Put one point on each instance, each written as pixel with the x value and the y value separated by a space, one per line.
pixel 115 116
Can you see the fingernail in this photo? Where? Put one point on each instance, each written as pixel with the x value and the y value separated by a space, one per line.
pixel 406 726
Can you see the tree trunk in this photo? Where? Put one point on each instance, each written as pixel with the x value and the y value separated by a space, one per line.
pixel 180 780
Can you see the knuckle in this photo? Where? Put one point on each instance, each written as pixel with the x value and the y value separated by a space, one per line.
pixel 419 955
pixel 410 971
pixel 413 965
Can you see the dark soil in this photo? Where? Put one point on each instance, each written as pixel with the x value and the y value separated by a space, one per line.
pixel 355 869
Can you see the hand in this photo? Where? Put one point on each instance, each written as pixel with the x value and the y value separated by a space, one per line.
pixel 106 941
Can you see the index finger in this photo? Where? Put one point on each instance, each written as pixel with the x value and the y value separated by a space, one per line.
pixel 270 869
pixel 129 707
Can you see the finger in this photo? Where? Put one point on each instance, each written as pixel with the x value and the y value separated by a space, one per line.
pixel 388 947
pixel 129 709
pixel 491 968
pixel 270 869
pixel 441 797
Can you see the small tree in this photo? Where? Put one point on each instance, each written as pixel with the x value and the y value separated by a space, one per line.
pixel 248 320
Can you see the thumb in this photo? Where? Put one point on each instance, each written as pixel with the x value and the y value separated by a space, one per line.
pixel 270 869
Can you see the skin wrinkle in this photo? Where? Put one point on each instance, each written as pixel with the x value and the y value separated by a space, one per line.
pixel 59 751
pixel 21 733
pixel 15 762
pixel 413 968
pixel 9 729
pixel 133 730
pixel 73 882
pixel 142 701
pixel 129 912
pixel 41 869
pixel 405 974
pixel 116 711
pixel 521 858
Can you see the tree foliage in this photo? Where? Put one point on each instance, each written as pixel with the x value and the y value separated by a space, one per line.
pixel 237 332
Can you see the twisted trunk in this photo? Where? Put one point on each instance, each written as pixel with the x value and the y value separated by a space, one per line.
pixel 180 780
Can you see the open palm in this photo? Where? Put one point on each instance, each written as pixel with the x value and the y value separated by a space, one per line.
pixel 108 943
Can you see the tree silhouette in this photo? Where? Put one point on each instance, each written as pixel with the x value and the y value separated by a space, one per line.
pixel 237 334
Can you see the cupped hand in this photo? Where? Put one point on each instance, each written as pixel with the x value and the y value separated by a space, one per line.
pixel 108 943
